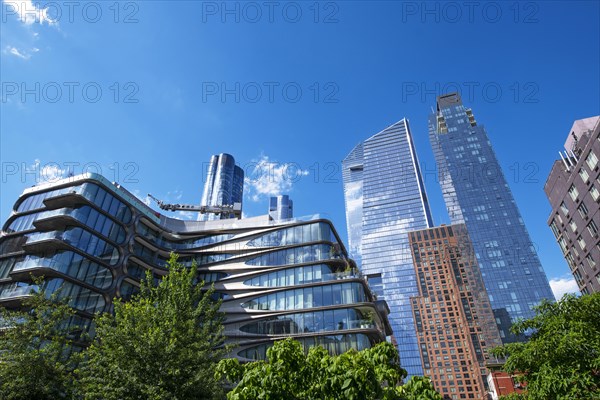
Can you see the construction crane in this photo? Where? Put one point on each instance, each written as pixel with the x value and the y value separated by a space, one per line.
pixel 235 208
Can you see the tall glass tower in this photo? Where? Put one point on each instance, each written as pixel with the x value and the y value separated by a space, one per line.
pixel 385 199
pixel 224 185
pixel 281 207
pixel 477 195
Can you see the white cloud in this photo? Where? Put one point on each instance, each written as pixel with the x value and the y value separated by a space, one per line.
pixel 562 285
pixel 28 12
pixel 49 172
pixel 270 178
pixel 186 215
pixel 20 53
pixel 144 199
pixel 15 52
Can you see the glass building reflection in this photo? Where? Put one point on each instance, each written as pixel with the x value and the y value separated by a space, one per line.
pixel 224 185
pixel 385 199
pixel 477 195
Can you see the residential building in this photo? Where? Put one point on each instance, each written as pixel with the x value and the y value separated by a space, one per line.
pixel 573 189
pixel 385 199
pixel 477 195
pixel 502 383
pixel 281 207
pixel 454 319
pixel 224 185
pixel 94 240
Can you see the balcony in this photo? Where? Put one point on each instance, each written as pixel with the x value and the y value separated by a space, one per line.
pixel 35 265
pixel 51 220
pixel 69 199
pixel 40 241
pixel 12 295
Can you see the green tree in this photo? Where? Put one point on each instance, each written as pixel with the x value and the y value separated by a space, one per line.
pixel 163 344
pixel 562 358
pixel 291 374
pixel 35 361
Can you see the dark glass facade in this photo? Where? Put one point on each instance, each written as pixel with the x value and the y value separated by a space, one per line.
pixel 477 195
pixel 94 241
pixel 224 185
pixel 573 189
pixel 385 199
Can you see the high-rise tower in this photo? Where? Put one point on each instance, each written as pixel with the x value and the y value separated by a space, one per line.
pixel 281 207
pixel 224 185
pixel 385 199
pixel 477 195
pixel 452 312
pixel 573 189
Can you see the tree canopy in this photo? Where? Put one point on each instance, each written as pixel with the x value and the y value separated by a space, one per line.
pixel 163 344
pixel 562 358
pixel 291 374
pixel 35 361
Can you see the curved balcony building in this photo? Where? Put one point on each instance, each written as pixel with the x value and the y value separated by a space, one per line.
pixel 94 240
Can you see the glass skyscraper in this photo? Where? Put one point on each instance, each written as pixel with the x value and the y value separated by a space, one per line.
pixel 385 199
pixel 224 185
pixel 477 195
pixel 281 207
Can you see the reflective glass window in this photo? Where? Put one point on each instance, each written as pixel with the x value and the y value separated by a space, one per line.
pixel 296 255
pixel 79 297
pixel 71 264
pixel 335 345
pixel 315 232
pixel 90 191
pixel 297 276
pixel 83 240
pixel 316 296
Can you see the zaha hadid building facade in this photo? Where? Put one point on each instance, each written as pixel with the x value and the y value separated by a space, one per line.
pixel 94 240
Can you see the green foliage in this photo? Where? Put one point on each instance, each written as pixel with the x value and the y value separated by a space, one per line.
pixel 160 345
pixel 562 358
pixel 418 388
pixel 289 374
pixel 33 363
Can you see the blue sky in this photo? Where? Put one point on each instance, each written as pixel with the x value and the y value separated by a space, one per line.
pixel 145 92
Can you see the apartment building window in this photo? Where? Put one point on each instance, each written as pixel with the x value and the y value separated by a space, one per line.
pixel 564 208
pixel 583 210
pixel 592 160
pixel 584 175
pixel 573 226
pixel 590 260
pixel 570 260
pixel 574 250
pixel 563 246
pixel 554 229
pixel 573 192
pixel 581 242
pixel 595 193
pixel 593 228
pixel 559 218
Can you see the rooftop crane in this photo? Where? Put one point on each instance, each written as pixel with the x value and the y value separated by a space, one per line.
pixel 235 208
